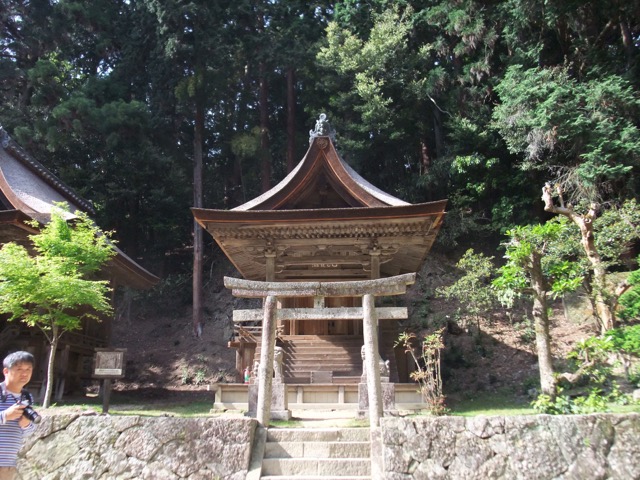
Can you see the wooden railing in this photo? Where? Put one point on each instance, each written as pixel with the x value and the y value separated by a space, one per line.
pixel 246 333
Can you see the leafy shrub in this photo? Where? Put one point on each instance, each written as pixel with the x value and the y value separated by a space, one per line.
pixel 625 339
pixel 200 376
pixel 564 404
pixel 545 404
pixel 630 300
pixel 591 358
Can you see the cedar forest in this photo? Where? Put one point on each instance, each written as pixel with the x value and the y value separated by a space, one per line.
pixel 150 107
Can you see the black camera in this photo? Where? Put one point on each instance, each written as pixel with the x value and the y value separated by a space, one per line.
pixel 28 411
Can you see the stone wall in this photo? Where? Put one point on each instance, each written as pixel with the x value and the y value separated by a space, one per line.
pixel 602 446
pixel 72 447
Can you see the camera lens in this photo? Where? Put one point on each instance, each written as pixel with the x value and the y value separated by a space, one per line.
pixel 31 414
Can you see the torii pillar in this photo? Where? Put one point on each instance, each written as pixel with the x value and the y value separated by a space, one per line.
pixel 367 289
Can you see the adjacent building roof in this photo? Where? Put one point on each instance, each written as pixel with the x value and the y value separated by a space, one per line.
pixel 28 191
pixel 324 221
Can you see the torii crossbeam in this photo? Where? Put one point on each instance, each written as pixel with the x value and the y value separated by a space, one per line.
pixel 367 289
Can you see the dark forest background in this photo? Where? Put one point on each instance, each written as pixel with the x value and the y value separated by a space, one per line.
pixel 480 102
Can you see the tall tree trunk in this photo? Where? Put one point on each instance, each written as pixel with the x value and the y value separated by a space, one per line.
pixel 197 230
pixel 604 312
pixel 265 153
pixel 53 346
pixel 291 118
pixel 627 41
pixel 437 130
pixel 425 158
pixel 541 326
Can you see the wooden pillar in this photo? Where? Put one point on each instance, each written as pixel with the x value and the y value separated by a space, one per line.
pixel 265 371
pixel 370 332
pixel 239 362
pixel 374 254
pixel 270 256
pixel 270 268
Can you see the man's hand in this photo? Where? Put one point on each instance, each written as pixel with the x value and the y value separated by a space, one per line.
pixel 14 412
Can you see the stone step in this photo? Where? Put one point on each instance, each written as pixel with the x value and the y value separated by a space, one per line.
pixel 317 453
pixel 323 467
pixel 324 343
pixel 318 434
pixel 321 351
pixel 340 354
pixel 309 365
pixel 313 477
pixel 335 356
pixel 317 450
pixel 322 338
pixel 305 378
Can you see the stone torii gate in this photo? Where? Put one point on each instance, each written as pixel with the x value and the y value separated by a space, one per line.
pixel 367 289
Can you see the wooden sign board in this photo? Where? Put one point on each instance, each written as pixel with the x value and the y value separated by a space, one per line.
pixel 109 363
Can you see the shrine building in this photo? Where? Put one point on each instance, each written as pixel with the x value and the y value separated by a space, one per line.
pixel 323 223
pixel 29 191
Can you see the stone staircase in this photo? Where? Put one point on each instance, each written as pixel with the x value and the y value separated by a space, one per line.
pixel 317 454
pixel 339 354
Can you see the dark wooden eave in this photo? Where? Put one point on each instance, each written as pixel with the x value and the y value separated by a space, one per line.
pixel 325 243
pixel 13 227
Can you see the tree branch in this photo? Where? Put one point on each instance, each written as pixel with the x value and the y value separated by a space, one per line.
pixel 574 377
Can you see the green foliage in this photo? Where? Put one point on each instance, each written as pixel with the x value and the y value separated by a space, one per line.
pixel 549 241
pixel 473 290
pixel 56 289
pixel 185 376
pixel 48 290
pixel 547 405
pixel 526 332
pixel 200 376
pixel 585 131
pixel 625 339
pixel 630 300
pixel 593 362
pixel 617 227
pixel 565 405
pixel 591 357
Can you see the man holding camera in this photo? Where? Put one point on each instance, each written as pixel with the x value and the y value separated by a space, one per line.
pixel 17 369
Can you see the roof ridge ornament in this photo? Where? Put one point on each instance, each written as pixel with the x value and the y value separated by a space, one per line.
pixel 322 129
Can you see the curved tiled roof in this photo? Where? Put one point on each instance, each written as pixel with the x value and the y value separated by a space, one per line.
pixel 322 156
pixel 29 190
pixel 42 172
pixel 324 221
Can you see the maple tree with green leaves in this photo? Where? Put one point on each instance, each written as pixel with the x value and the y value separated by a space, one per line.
pixel 56 288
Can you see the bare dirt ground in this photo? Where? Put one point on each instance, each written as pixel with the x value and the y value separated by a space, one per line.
pixel 165 360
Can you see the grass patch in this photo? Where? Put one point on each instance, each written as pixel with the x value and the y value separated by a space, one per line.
pixel 506 404
pixel 293 423
pixel 491 404
pixel 124 406
pixel 631 408
pixel 195 409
